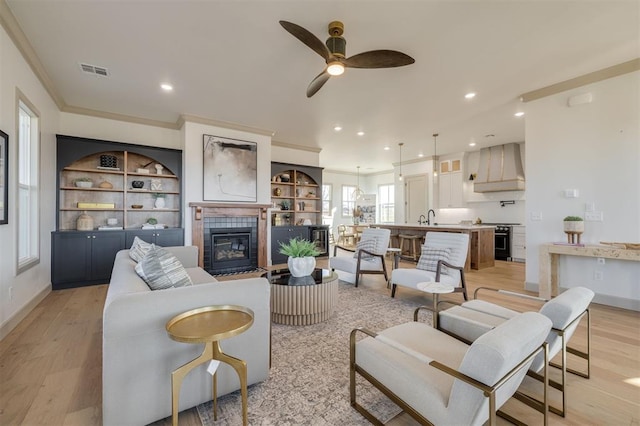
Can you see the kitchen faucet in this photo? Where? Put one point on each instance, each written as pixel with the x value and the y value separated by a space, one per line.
pixel 429 216
pixel 421 221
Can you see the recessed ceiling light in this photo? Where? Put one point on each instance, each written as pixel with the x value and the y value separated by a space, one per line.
pixel 519 114
pixel 470 95
pixel 386 148
pixel 472 144
pixel 421 155
pixel 337 128
pixel 166 87
pixel 360 133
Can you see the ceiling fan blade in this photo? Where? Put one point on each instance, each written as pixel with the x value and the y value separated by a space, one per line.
pixel 317 83
pixel 378 59
pixel 307 38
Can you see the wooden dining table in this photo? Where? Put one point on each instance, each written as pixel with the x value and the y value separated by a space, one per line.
pixel 357 230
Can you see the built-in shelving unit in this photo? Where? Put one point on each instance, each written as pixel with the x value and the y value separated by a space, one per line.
pixel 115 207
pixel 299 187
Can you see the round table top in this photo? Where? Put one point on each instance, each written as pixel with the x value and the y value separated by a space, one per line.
pixel 284 277
pixel 209 323
pixel 434 287
pixel 394 250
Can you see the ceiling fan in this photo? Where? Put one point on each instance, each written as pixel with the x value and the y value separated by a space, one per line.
pixel 334 54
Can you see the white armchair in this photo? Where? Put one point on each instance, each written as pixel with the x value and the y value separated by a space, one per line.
pixel 438 379
pixel 476 317
pixel 442 260
pixel 366 258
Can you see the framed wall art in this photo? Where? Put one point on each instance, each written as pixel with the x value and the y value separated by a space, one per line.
pixel 229 169
pixel 4 178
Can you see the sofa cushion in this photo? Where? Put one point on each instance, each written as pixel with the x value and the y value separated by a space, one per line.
pixel 430 256
pixel 139 249
pixel 161 270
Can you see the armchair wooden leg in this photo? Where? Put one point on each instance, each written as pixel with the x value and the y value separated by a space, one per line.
pixel 393 290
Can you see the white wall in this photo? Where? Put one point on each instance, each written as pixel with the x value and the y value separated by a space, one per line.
pixel 85 126
pixel 192 158
pixel 594 148
pixel 33 284
pixel 283 154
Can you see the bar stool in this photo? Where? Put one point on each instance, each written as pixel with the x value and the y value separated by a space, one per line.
pixel 393 240
pixel 413 244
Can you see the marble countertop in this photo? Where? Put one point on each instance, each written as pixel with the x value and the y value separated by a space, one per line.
pixel 435 226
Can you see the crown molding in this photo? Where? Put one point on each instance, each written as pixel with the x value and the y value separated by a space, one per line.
pixel 294 146
pixel 583 80
pixel 20 40
pixel 184 118
pixel 119 117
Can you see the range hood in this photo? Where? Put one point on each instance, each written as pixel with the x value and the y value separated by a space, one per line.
pixel 500 169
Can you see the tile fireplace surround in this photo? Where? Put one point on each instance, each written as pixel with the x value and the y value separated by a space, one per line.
pixel 200 211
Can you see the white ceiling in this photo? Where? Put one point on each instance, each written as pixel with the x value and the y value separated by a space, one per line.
pixel 231 61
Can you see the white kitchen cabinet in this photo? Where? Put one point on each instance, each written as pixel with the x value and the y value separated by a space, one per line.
pixel 450 184
pixel 518 243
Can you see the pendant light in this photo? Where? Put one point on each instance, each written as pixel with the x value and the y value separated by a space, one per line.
pixel 435 155
pixel 358 193
pixel 400 145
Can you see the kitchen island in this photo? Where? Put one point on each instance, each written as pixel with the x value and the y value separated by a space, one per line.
pixel 481 240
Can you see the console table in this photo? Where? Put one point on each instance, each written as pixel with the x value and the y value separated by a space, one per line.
pixel 550 253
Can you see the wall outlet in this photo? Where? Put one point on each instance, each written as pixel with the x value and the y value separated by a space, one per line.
pixel 10 293
pixel 601 261
pixel 593 216
pixel 598 275
pixel 536 216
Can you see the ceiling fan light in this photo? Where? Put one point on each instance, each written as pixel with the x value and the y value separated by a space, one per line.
pixel 335 68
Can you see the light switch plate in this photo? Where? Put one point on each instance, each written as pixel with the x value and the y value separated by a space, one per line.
pixel 536 216
pixel 593 216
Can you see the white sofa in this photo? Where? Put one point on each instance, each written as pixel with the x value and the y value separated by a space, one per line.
pixel 138 356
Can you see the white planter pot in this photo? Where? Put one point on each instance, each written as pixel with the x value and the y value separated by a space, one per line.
pixel 159 203
pixel 573 226
pixel 301 266
pixel 84 184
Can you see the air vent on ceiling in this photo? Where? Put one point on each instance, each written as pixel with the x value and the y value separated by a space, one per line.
pixel 94 69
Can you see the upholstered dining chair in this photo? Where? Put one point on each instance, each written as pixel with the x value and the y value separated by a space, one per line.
pixel 442 260
pixel 438 379
pixel 472 319
pixel 366 258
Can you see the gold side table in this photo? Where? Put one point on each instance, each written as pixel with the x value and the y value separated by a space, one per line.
pixel 209 325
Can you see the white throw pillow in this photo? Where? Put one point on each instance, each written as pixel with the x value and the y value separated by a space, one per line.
pixel 368 245
pixel 161 270
pixel 430 256
pixel 139 249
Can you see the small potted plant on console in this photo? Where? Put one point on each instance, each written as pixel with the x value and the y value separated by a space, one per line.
pixel 302 256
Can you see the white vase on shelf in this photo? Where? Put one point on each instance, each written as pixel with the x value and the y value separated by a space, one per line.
pixel 159 203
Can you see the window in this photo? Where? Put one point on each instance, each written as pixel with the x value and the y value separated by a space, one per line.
pixel 327 195
pixel 28 187
pixel 348 200
pixel 386 194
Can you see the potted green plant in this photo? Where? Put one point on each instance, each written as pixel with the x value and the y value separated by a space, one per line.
pixel 83 182
pixel 159 203
pixel 573 224
pixel 302 256
pixel 285 205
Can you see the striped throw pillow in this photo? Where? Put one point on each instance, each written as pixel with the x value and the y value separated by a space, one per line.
pixel 139 249
pixel 368 245
pixel 430 256
pixel 161 270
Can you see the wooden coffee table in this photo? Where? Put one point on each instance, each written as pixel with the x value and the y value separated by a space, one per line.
pixel 302 301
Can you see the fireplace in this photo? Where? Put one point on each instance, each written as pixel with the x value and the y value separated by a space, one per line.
pixel 231 250
pixel 208 219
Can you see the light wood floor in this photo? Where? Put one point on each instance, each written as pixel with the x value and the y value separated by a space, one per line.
pixel 50 365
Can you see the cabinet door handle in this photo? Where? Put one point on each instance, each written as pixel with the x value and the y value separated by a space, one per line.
pixel 93 236
pixel 88 236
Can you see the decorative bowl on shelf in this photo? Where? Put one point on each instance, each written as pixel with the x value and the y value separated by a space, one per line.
pixel 138 184
pixel 136 206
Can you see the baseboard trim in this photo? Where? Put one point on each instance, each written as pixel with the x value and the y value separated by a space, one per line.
pixel 22 313
pixel 602 299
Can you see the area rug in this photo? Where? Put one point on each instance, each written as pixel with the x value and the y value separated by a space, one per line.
pixel 309 379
